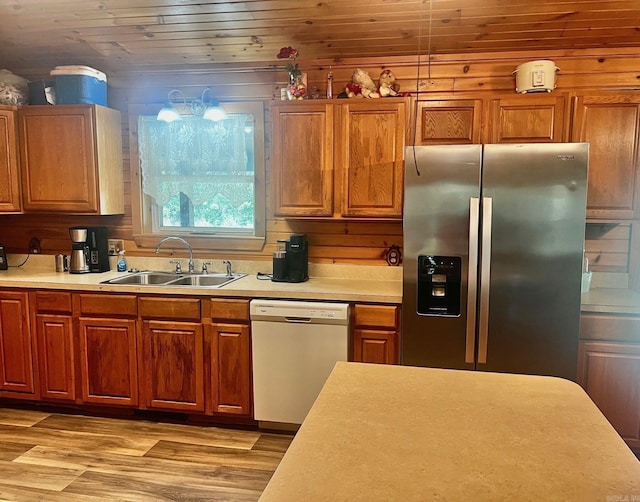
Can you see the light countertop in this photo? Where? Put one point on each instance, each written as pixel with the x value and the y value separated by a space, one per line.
pixel 380 432
pixel 333 283
pixel 611 300
pixel 356 283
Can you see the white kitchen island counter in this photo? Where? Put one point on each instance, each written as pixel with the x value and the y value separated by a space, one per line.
pixel 381 432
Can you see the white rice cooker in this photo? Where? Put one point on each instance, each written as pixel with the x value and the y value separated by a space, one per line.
pixel 536 76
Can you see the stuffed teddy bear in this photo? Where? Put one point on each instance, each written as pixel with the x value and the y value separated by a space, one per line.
pixel 368 88
pixel 361 86
pixel 387 84
pixel 352 90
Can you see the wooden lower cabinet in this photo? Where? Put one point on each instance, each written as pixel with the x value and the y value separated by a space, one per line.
pixel 107 348
pixel 376 334
pixel 610 373
pixel 229 347
pixel 231 369
pixel 108 362
pixel 609 370
pixel 56 356
pixel 183 354
pixel 375 346
pixel 172 365
pixel 16 347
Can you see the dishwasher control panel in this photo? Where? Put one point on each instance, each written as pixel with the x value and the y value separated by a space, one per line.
pixel 296 311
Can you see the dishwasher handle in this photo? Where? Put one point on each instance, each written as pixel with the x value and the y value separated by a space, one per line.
pixel 304 320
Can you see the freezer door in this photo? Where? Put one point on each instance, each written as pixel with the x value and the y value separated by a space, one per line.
pixel 537 199
pixel 441 191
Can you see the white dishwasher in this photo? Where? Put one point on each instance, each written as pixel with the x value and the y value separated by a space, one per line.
pixel 295 345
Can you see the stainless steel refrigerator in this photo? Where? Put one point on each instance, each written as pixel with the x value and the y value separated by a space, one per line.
pixel 493 248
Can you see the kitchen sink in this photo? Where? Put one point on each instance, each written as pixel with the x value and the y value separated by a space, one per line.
pixel 173 280
pixel 138 278
pixel 208 280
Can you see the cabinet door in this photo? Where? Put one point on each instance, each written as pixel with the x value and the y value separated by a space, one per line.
pixel 231 369
pixel 527 119
pixel 610 124
pixel 56 357
pixel 9 177
pixel 375 346
pixel 108 361
pixel 303 159
pixel 610 373
pixel 376 336
pixel 449 121
pixel 370 153
pixel 58 159
pixel 16 353
pixel 173 365
pixel 71 159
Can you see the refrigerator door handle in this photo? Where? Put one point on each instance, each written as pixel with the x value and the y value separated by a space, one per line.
pixel 472 281
pixel 485 278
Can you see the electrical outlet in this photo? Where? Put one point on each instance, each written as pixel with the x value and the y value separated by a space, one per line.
pixel 34 246
pixel 115 245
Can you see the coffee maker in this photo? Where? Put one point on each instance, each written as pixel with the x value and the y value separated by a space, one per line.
pixel 89 250
pixel 291 260
pixel 98 243
pixel 79 263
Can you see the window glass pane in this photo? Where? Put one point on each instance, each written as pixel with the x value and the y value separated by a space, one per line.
pixel 200 174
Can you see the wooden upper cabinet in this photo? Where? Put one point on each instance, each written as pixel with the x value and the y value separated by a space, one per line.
pixel 9 173
pixel 339 158
pixel 448 121
pixel 529 118
pixel 610 124
pixel 71 159
pixel 370 155
pixel 303 159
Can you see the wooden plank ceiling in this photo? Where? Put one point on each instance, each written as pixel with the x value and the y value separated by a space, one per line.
pixel 140 35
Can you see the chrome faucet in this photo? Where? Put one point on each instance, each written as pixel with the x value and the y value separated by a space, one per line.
pixel 227 263
pixel 192 267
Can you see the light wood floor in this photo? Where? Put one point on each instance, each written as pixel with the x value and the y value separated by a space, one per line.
pixel 56 457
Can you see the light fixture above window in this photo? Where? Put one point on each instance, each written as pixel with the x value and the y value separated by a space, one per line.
pixel 206 107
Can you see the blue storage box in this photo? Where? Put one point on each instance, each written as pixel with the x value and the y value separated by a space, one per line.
pixel 80 85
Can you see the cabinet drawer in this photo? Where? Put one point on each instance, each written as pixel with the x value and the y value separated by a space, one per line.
pixel 237 310
pixel 53 301
pixel 122 305
pixel 375 315
pixel 610 327
pixel 173 308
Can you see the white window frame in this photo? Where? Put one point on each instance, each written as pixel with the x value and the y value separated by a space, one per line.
pixel 146 234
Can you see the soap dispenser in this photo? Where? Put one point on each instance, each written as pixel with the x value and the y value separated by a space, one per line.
pixel 122 263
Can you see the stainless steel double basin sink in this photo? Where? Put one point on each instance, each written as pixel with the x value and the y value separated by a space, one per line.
pixel 168 279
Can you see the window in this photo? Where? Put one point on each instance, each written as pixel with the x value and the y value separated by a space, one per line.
pixel 199 179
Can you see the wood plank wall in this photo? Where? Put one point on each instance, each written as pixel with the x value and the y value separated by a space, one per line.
pixel 337 241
